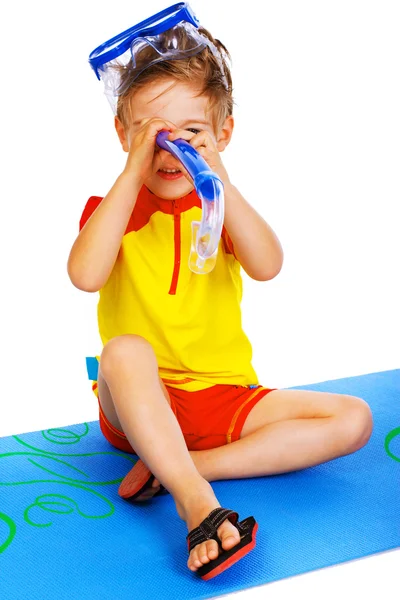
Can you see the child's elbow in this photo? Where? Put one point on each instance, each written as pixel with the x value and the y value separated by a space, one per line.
pixel 80 281
pixel 264 276
pixel 265 273
pixel 86 287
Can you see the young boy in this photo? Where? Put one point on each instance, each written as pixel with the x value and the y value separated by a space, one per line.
pixel 175 381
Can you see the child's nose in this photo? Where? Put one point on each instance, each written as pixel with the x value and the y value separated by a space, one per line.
pixel 167 158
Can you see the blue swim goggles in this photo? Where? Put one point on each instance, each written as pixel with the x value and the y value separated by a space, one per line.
pixel 168 35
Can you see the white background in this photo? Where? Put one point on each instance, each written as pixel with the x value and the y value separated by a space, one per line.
pixel 315 150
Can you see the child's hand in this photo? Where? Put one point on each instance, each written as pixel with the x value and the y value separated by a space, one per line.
pixel 144 154
pixel 205 145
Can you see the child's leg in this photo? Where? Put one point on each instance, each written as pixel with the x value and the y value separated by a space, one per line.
pixel 109 411
pixel 286 430
pixel 129 367
pixel 290 430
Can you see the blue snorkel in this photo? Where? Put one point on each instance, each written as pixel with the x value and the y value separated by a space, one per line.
pixel 210 189
pixel 171 34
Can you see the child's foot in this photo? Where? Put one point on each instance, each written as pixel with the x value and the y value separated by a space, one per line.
pixel 149 492
pixel 194 512
pixel 139 484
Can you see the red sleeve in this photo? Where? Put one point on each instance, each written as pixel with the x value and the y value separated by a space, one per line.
pixel 228 244
pixel 89 209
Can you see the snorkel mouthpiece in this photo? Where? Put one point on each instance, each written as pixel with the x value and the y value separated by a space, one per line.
pixel 210 189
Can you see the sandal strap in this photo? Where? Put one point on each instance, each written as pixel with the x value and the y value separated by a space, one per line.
pixel 207 529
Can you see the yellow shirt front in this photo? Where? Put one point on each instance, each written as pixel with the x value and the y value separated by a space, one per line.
pixel 193 322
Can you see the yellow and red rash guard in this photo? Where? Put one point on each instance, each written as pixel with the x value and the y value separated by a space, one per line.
pixel 193 322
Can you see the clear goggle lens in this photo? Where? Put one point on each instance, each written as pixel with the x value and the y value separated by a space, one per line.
pixel 181 41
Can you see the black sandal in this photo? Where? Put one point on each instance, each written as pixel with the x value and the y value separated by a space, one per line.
pixel 207 530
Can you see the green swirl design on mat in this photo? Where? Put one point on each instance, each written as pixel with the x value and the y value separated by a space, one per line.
pixel 12 528
pixel 57 503
pixel 68 509
pixel 390 436
pixel 57 460
pixel 74 438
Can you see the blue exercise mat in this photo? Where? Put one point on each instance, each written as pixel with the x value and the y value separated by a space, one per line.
pixel 65 533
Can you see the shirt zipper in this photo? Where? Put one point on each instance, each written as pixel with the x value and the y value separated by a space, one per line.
pixel 177 247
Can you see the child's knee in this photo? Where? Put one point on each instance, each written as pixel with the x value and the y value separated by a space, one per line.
pixel 126 350
pixel 359 422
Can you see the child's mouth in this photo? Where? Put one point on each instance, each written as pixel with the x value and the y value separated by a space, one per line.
pixel 169 174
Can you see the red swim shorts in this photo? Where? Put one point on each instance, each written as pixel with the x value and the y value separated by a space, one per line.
pixel 208 418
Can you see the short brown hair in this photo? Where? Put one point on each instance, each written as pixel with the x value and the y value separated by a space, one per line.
pixel 201 70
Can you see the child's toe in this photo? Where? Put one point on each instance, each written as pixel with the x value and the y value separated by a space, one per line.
pixel 212 549
pixel 209 551
pixel 203 553
pixel 194 561
pixel 228 534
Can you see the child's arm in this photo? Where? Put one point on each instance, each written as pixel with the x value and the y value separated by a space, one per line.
pixel 96 248
pixel 256 246
pixel 253 242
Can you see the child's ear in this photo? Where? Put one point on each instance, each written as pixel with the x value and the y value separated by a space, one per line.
pixel 225 133
pixel 121 134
